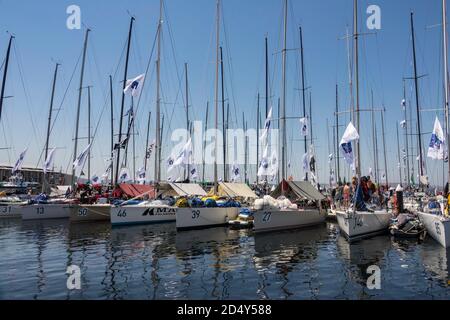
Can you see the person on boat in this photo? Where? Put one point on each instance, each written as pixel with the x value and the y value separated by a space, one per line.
pixel 117 192
pixel 358 199
pixel 346 194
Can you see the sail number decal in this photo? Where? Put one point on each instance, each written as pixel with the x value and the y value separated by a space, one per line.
pixel 40 210
pixel 267 216
pixel 82 212
pixel 122 213
pixel 195 214
pixel 438 228
pixel 6 209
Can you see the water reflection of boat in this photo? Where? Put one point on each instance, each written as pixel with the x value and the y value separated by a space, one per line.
pixel 195 242
pixel 436 260
pixel 363 254
pixel 95 231
pixel 369 251
pixel 282 245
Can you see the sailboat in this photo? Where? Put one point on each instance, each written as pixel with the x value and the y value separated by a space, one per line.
pixel 355 223
pixel 43 207
pixel 102 211
pixel 438 225
pixel 202 217
pixel 270 214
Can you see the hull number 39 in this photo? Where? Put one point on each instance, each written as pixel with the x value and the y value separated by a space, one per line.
pixel 195 214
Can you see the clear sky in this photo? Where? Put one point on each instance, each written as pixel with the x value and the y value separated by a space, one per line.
pixel 385 58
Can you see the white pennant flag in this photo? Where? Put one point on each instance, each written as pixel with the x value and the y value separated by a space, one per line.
pixel 330 158
pixel 170 164
pixel 304 126
pixel 305 162
pixel 141 174
pixel 370 172
pixel 193 172
pixel 264 164
pixel 49 161
pixel 235 173
pixel 403 124
pixel 133 86
pixel 273 164
pixel 350 135
pixel 266 126
pixel 95 180
pixel 19 161
pixel 124 176
pixel 437 144
pixel 185 155
pixel 332 179
pixel 81 159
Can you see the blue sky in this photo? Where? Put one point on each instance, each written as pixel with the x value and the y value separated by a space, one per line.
pixel 42 37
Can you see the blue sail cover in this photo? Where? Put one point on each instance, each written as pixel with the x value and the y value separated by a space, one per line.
pixel 358 199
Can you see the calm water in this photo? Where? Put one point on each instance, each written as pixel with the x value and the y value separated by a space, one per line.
pixel 156 262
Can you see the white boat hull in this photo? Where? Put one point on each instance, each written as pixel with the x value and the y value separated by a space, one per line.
pixel 194 218
pixel 86 213
pixel 129 215
pixel 279 219
pixel 437 226
pixel 46 211
pixel 11 211
pixel 362 224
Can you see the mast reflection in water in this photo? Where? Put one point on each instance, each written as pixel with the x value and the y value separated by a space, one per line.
pixel 156 262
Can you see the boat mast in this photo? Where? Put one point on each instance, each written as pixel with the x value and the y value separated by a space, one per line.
pixel 419 137
pixel 123 98
pixel 89 131
pixel 244 125
pixel 355 35
pixel 399 157
pixel 337 165
pixel 330 170
pixel 406 134
pixel 350 77
pixel 267 77
pixel 187 171
pixel 49 123
pixel 310 119
pixel 75 148
pixel 112 128
pixel 5 72
pixel 303 91
pixel 223 119
pixel 257 140
pixel 375 157
pixel 384 148
pixel 158 100
pixel 283 103
pixel 147 141
pixel 216 100
pixel 444 33
pixel 204 142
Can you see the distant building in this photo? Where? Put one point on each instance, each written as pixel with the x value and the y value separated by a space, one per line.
pixel 37 175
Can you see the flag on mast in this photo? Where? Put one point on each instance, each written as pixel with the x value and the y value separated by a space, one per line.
pixel 350 135
pixel 81 159
pixel 304 126
pixel 19 161
pixel 49 161
pixel 436 149
pixel 235 173
pixel 264 164
pixel 266 126
pixel 133 86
